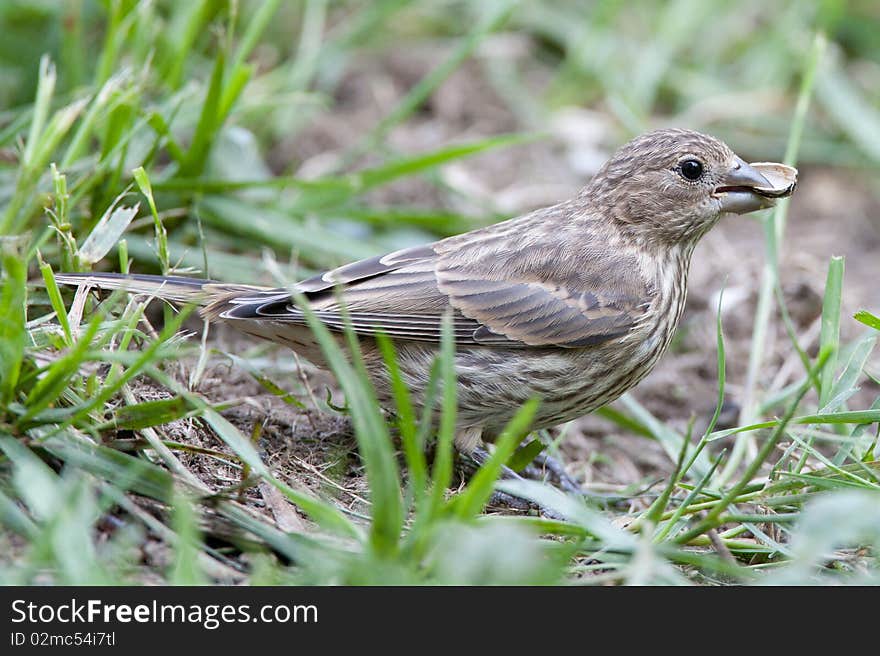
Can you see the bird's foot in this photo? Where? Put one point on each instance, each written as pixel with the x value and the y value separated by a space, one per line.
pixel 548 469
pixel 498 498
pixel 505 500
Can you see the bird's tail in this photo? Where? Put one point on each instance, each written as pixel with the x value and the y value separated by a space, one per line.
pixel 170 288
pixel 176 289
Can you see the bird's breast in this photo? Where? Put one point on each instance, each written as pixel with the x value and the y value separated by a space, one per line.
pixel 598 376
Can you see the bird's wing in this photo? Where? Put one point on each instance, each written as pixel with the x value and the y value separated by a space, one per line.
pixel 498 293
pixel 538 312
pixel 542 283
pixel 395 293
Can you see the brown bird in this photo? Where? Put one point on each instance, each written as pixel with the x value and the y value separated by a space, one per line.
pixel 572 304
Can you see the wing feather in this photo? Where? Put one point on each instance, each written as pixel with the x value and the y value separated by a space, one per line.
pixel 534 295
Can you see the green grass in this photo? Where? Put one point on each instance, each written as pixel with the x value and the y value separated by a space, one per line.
pixel 150 136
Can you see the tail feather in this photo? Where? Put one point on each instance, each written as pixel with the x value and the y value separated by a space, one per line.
pixel 216 301
pixel 169 288
pixel 176 289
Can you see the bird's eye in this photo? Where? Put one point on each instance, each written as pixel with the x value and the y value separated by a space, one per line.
pixel 691 169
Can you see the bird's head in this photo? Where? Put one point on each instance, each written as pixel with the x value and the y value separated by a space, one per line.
pixel 671 186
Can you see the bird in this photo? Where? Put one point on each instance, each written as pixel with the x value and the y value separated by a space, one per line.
pixel 571 304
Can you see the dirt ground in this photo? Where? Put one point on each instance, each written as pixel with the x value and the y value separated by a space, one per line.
pixel 832 213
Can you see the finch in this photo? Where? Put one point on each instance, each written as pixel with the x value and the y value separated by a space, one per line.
pixel 571 304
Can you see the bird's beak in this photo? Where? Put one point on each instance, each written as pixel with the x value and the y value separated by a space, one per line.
pixel 749 187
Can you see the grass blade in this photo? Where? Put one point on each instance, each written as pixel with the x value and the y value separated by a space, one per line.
pixel 374 442
pixel 829 338
pixel 13 332
pixel 471 501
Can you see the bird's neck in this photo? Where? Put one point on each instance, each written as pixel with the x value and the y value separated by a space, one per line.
pixel 675 260
pixel 668 275
pixel 667 269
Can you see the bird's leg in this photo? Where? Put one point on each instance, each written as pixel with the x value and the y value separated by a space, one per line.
pixel 478 457
pixel 467 443
pixel 547 468
pixel 468 440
